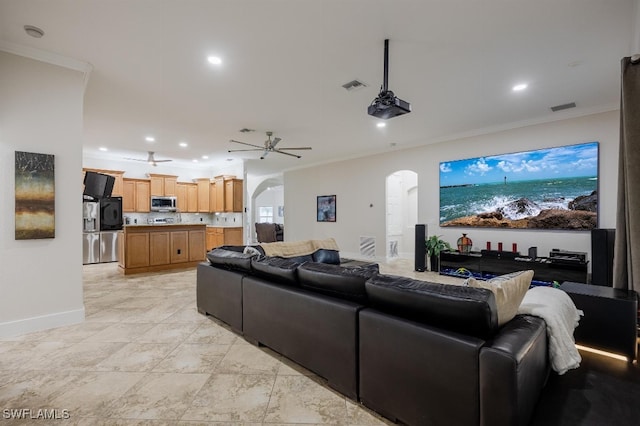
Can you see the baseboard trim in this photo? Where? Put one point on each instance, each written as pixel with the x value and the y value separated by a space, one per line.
pixel 44 322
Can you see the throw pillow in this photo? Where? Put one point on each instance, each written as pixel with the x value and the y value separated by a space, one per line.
pixel 251 251
pixel 509 291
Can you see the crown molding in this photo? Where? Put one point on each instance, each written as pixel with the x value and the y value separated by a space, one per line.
pixel 48 57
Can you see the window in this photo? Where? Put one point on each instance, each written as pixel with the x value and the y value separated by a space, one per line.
pixel 265 214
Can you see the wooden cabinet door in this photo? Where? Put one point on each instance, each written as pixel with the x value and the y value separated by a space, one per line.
pixel 181 195
pixel 157 186
pixel 219 194
pixel 237 196
pixel 233 236
pixel 159 248
pixel 137 250
pixel 197 248
pixel 143 199
pixel 179 246
pixel 211 239
pixel 128 195
pixel 170 186
pixel 233 195
pixel 204 188
pixel 192 198
pixel 212 198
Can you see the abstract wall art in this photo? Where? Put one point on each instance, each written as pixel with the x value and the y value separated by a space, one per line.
pixel 35 196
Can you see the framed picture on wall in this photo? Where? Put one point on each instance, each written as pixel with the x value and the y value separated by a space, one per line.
pixel 326 208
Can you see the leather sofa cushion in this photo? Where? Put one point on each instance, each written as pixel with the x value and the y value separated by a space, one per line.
pixel 467 310
pixel 335 280
pixel 327 256
pixel 229 258
pixel 279 269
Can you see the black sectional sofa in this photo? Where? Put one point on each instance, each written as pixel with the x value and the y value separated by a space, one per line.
pixel 416 352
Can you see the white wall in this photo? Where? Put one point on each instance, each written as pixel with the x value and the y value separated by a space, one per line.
pixel 41 112
pixel 360 187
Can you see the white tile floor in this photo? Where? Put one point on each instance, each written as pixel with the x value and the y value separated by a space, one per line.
pixel 145 356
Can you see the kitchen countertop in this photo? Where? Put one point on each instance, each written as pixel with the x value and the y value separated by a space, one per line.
pixel 161 225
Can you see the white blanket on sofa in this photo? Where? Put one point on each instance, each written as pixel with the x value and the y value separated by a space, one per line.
pixel 558 311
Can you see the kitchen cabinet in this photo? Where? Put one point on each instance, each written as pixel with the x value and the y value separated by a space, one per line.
pixel 136 250
pixel 197 247
pixel 218 236
pixel 213 205
pixel 118 190
pixel 233 195
pixel 187 197
pixel 204 189
pixel 148 248
pixel 228 194
pixel 136 195
pixel 163 185
pixel 192 197
pixel 179 246
pixel 159 249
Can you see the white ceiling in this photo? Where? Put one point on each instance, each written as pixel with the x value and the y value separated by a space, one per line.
pixel 284 62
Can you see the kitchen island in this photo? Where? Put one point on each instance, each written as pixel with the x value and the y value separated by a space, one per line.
pixel 150 248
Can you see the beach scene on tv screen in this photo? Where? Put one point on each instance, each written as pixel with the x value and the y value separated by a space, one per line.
pixel 551 188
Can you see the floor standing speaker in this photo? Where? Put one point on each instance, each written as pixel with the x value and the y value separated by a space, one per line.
pixel 602 243
pixel 420 248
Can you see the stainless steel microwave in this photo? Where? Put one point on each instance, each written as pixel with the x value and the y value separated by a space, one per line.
pixel 163 204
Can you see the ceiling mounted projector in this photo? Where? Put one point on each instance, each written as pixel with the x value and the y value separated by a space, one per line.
pixel 387 105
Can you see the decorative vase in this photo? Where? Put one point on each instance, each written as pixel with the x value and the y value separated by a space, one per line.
pixel 464 244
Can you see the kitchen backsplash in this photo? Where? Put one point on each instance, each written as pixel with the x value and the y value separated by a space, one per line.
pixel 214 219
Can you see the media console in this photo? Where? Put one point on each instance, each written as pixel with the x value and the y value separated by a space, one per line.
pixel 488 265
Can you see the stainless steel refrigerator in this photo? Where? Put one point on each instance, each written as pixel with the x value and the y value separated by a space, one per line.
pixel 100 224
pixel 90 232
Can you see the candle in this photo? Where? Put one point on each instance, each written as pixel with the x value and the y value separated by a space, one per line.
pixel 514 247
pixel 499 246
pixel 488 245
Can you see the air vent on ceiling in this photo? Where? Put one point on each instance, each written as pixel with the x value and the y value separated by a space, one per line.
pixel 563 106
pixel 353 85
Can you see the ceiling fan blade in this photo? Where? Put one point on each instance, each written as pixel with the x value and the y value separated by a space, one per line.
pixel 301 147
pixel 135 159
pixel 265 153
pixel 286 153
pixel 242 150
pixel 244 143
pixel 275 142
pixel 161 161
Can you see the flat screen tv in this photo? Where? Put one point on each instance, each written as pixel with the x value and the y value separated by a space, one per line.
pixel 551 188
pixel 98 185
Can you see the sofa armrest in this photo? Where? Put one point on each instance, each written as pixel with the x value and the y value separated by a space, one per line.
pixel 514 367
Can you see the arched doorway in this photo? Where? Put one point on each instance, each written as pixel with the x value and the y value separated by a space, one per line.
pixel 401 213
pixel 267 204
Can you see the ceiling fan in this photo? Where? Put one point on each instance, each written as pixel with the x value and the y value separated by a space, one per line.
pixel 269 146
pixel 150 159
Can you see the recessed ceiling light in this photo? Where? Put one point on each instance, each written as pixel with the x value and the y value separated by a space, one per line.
pixel 214 60
pixel 150 139
pixel 205 157
pixel 33 31
pixel 183 144
pixel 195 160
pixel 519 87
pixel 102 148
pixel 381 124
